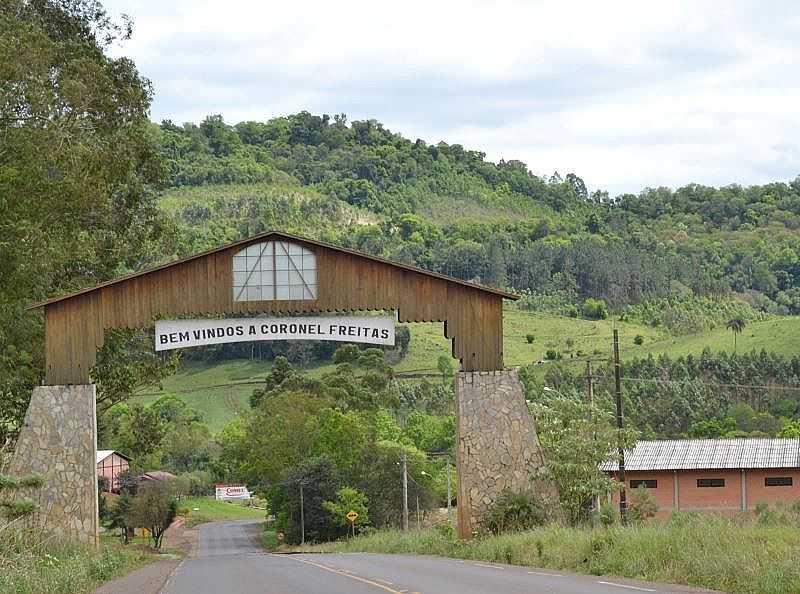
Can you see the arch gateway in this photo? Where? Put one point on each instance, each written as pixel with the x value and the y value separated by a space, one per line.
pixel 281 275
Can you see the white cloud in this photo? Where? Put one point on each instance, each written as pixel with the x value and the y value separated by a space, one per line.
pixel 626 94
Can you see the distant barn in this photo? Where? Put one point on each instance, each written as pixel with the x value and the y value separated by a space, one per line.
pixel 110 464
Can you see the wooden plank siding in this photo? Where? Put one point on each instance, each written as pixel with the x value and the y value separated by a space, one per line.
pixel 202 286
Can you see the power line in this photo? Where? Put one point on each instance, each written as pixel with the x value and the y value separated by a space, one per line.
pixel 713 384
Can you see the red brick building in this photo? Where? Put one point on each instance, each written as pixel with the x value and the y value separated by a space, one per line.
pixel 717 475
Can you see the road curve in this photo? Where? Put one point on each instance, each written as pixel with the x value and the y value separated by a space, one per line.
pixel 230 560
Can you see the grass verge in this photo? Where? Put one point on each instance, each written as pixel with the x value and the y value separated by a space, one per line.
pixel 732 555
pixel 31 566
pixel 269 539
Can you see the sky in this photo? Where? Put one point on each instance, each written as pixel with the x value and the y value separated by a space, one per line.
pixel 626 95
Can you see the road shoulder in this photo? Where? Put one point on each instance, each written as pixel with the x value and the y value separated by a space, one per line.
pixel 151 578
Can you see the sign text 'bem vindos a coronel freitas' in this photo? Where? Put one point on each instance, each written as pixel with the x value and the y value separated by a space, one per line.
pixel 178 334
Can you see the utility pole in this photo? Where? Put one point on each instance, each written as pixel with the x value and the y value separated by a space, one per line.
pixel 405 492
pixel 418 524
pixel 623 505
pixel 449 496
pixel 590 388
pixel 302 517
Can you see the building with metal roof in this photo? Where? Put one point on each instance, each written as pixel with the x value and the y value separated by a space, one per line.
pixel 703 454
pixel 720 475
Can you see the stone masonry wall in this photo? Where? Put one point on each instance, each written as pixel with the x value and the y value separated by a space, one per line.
pixel 59 442
pixel 497 443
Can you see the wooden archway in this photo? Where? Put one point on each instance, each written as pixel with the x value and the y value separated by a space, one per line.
pixel 202 285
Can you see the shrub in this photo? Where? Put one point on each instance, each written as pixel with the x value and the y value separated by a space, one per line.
pixel 643 506
pixel 154 507
pixel 552 355
pixel 606 515
pixel 347 353
pixel 638 340
pixel 446 531
pixel 347 500
pixel 595 309
pixel 514 512
pixel 529 338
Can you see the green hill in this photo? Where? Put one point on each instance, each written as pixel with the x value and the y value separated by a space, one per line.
pixel 448 209
pixel 221 390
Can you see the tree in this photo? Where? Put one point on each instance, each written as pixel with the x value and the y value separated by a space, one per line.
pixel 126 364
pixel 736 325
pixel 347 500
pixel 595 309
pixel 154 507
pixel 347 353
pixel 18 507
pixel 790 430
pixel 643 505
pixel 280 372
pixel 445 366
pixel 576 440
pixel 77 170
pixel 120 515
pixel 320 480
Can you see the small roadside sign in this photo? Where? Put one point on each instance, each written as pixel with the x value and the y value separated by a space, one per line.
pixel 352 516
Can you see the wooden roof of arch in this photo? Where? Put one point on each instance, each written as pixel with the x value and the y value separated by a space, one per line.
pixel 201 284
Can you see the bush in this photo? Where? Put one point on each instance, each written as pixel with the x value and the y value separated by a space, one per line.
pixel 552 355
pixel 595 309
pixel 606 515
pixel 529 338
pixel 638 340
pixel 514 512
pixel 643 506
pixel 154 507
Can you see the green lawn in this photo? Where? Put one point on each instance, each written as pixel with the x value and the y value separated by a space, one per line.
pixel 781 335
pixel 221 391
pixel 208 509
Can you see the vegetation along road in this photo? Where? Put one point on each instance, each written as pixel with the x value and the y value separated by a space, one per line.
pixel 230 559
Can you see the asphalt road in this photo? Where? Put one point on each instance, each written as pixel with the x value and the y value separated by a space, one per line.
pixel 230 560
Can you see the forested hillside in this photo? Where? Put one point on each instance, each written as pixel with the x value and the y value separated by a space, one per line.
pixel 673 268
pixel 448 209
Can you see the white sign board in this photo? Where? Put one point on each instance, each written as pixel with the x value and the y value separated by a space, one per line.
pixel 178 334
pixel 231 492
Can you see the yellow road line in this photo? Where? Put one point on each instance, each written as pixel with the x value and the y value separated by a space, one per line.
pixel 352 577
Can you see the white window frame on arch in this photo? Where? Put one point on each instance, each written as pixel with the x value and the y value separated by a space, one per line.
pixel 274 271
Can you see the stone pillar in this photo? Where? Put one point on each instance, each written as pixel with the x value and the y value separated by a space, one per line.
pixel 497 444
pixel 59 442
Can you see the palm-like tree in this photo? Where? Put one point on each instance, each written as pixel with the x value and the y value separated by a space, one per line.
pixel 736 325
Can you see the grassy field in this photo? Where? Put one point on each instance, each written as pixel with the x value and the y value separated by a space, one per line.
pixel 781 335
pixel 28 566
pixel 221 391
pixel 208 509
pixel 740 557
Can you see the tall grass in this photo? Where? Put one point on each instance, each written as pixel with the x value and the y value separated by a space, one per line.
pixel 31 563
pixel 732 555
